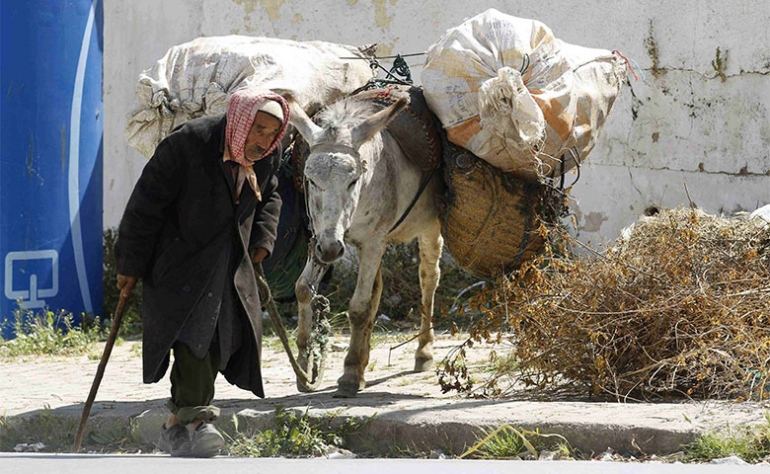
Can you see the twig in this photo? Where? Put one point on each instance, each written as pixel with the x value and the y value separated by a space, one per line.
pixel 692 204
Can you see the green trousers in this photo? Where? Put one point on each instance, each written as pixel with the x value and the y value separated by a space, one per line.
pixel 192 385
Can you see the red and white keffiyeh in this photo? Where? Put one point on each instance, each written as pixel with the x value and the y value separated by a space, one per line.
pixel 241 110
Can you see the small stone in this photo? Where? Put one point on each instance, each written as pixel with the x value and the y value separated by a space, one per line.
pixel 730 461
pixel 762 213
pixel 339 347
pixel 29 448
pixel 677 456
pixel 549 456
pixel 333 452
pixel 394 300
pixel 436 454
pixel 607 455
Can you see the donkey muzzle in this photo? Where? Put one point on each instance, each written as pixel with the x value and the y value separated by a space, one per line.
pixel 329 251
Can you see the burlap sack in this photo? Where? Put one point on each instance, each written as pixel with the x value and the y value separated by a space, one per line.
pixel 197 78
pixel 510 92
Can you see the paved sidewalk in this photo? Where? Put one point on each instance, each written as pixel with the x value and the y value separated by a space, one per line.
pixel 410 409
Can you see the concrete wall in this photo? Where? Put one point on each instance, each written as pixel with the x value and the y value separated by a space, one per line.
pixel 699 118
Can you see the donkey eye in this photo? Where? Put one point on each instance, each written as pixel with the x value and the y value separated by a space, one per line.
pixel 353 183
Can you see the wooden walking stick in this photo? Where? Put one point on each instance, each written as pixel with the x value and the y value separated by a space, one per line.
pixel 100 371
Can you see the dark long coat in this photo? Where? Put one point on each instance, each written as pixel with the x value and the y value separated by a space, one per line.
pixel 180 226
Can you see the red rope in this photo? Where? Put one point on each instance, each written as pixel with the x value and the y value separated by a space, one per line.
pixel 628 62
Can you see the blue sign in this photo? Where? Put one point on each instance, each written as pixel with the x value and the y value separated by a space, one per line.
pixel 51 124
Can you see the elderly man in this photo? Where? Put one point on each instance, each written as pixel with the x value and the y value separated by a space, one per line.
pixel 204 208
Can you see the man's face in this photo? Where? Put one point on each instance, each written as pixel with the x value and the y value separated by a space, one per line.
pixel 261 135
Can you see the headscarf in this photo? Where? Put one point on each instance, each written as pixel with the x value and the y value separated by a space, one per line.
pixel 241 111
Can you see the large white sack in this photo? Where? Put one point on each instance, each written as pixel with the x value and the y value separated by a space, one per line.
pixel 197 78
pixel 510 92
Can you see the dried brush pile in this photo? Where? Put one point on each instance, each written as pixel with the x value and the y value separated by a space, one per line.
pixel 679 307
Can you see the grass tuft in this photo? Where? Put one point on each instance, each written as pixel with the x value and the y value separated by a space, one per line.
pixel 294 435
pixel 57 434
pixel 750 443
pixel 507 442
pixel 49 333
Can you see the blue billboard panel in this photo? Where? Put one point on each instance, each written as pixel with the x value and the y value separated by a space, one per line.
pixel 51 124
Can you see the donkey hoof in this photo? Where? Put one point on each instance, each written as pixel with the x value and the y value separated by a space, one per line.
pixel 314 369
pixel 423 364
pixel 303 387
pixel 346 390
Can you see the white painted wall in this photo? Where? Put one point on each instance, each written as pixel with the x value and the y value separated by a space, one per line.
pixel 683 125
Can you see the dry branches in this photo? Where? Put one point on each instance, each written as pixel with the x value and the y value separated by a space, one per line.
pixel 680 306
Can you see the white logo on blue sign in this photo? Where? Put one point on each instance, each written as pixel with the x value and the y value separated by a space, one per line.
pixel 28 290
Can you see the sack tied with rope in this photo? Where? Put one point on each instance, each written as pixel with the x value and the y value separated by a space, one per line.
pixel 506 89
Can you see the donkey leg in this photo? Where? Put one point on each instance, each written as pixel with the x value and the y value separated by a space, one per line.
pixel 304 296
pixel 368 327
pixel 362 313
pixel 430 251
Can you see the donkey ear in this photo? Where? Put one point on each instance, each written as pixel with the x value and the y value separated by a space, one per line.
pixel 297 117
pixel 369 127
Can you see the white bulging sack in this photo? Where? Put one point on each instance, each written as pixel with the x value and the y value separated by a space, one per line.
pixel 197 78
pixel 509 91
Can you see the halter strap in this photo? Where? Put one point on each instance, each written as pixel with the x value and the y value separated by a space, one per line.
pixel 333 148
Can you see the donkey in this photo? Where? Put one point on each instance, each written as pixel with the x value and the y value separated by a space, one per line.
pixel 359 184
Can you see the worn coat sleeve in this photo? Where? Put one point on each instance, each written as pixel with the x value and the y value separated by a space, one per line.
pixel 146 211
pixel 266 216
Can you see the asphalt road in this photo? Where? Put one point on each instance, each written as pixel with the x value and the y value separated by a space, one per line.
pixel 149 464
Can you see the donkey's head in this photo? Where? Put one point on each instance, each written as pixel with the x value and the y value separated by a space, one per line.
pixel 339 166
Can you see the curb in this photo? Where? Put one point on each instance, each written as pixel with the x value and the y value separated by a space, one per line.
pixel 451 426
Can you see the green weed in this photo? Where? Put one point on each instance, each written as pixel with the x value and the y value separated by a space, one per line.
pixel 57 434
pixel 136 349
pixel 339 322
pixel 719 63
pixel 381 336
pixel 294 435
pixel 750 443
pixel 274 343
pixel 505 364
pixel 398 450
pixel 49 333
pixel 121 438
pixel 401 297
pixel 507 442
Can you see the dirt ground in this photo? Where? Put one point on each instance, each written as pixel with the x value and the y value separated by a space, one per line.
pixel 390 368
pixel 31 383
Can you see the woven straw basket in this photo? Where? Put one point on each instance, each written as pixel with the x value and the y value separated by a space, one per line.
pixel 492 222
